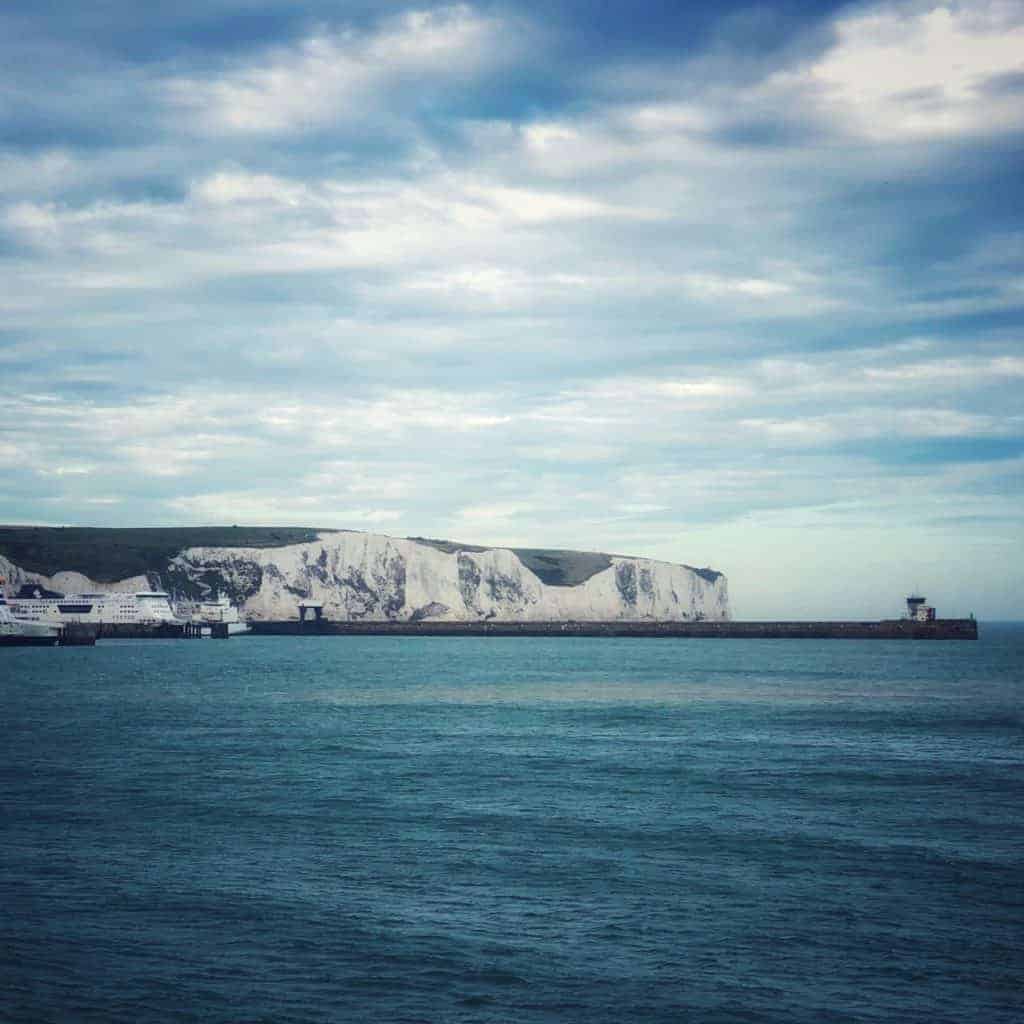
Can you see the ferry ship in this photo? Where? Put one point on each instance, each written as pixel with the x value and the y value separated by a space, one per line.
pixel 34 603
pixel 14 632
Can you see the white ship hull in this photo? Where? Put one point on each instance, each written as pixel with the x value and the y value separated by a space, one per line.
pixel 21 639
pixel 17 633
pixel 143 609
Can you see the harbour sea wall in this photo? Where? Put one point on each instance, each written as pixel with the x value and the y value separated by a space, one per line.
pixel 885 629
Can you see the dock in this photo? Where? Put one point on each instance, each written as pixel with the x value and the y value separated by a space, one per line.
pixel 885 629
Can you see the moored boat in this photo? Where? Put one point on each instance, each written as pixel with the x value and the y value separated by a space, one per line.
pixel 143 609
pixel 15 632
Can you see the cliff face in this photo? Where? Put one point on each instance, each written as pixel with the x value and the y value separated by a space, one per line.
pixel 369 576
pixel 359 576
pixel 70 582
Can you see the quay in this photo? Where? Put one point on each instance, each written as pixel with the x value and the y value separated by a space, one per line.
pixel 886 629
pixel 920 623
pixel 200 630
pixel 78 634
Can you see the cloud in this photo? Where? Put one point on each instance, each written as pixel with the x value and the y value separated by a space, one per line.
pixel 904 74
pixel 564 276
pixel 346 76
pixel 268 506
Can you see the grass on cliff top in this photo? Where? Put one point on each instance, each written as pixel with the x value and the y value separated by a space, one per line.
pixel 556 567
pixel 553 567
pixel 108 554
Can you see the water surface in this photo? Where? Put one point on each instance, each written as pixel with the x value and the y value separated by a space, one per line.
pixel 471 829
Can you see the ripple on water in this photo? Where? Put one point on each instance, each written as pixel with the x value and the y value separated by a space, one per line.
pixel 535 830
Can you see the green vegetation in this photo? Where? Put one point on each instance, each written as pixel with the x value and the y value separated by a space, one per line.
pixel 553 567
pixel 563 568
pixel 449 547
pixel 107 554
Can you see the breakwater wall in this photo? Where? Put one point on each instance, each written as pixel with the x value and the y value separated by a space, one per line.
pixel 135 631
pixel 886 629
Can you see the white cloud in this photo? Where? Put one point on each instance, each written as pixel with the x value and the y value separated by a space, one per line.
pixel 67 469
pixel 956 371
pixel 339 76
pixel 491 513
pixel 920 72
pixel 628 316
pixel 35 223
pixel 536 207
pixel 15 455
pixel 567 453
pixel 42 172
pixel 716 287
pixel 237 186
pixel 880 423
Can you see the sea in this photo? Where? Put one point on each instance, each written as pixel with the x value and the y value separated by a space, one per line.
pixel 416 829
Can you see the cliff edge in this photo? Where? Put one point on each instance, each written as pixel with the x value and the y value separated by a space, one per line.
pixel 370 577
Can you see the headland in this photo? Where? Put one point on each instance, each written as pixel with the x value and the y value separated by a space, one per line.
pixel 292 581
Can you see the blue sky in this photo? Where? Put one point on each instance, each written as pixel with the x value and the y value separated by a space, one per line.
pixel 738 285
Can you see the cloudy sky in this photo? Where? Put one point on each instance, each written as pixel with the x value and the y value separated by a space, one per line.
pixel 738 285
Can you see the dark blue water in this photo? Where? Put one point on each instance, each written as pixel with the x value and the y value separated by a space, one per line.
pixel 417 829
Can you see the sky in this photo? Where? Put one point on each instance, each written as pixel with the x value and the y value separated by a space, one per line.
pixel 737 285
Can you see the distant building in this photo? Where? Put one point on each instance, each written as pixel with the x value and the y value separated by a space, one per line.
pixel 918 611
pixel 316 607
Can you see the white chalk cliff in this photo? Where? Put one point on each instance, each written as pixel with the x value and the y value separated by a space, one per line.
pixel 371 576
pixel 68 582
pixel 362 576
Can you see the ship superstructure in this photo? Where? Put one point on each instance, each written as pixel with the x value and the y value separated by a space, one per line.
pixel 17 631
pixel 918 610
pixel 33 603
